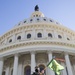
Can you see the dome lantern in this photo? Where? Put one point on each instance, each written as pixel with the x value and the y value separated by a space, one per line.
pixel 37 13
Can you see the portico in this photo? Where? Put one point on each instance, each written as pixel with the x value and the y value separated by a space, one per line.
pixel 22 62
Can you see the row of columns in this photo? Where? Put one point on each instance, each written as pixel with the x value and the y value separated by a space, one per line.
pixel 33 64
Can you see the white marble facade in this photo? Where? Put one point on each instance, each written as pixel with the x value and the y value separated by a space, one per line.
pixel 34 41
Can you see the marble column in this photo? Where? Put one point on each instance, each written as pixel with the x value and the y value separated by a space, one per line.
pixel 1 66
pixel 7 71
pixel 74 68
pixel 69 68
pixel 63 71
pixel 32 62
pixel 20 68
pixel 15 67
pixel 50 72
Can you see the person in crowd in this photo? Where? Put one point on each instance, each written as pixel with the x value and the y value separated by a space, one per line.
pixel 37 71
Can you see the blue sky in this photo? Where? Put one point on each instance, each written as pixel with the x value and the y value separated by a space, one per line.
pixel 13 11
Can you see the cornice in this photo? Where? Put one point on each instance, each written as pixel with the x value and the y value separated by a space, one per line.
pixel 36 43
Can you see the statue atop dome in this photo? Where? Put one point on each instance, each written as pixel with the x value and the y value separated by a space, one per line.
pixel 36 8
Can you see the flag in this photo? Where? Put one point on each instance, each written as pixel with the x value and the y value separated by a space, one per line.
pixel 55 66
pixel 59 59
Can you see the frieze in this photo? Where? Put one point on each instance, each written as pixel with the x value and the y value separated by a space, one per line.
pixel 26 44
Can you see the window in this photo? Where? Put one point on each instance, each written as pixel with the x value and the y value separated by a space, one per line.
pixel 37 19
pixel 39 35
pixel 27 70
pixel 24 21
pixel 36 15
pixel 59 36
pixel 31 20
pixel 68 39
pixel 44 19
pixel 29 35
pixel 51 21
pixel 18 24
pixel 19 38
pixel 49 35
pixel 10 40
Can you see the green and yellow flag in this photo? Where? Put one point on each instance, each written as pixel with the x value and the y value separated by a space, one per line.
pixel 55 66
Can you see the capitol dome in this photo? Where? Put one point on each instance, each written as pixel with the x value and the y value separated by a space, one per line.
pixel 33 42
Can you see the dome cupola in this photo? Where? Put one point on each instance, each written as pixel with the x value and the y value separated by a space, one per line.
pixel 37 17
pixel 37 13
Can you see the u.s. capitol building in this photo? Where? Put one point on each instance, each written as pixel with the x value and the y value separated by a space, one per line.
pixel 34 41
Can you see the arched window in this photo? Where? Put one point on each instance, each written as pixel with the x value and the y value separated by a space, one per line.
pixel 10 40
pixel 3 73
pixel 37 19
pixel 27 70
pixel 18 24
pixel 68 39
pixel 49 35
pixel 42 67
pixel 51 21
pixel 28 36
pixel 24 21
pixel 19 38
pixel 12 72
pixel 44 19
pixel 36 15
pixel 59 36
pixel 31 20
pixel 39 35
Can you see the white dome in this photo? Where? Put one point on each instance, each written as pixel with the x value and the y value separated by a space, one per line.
pixel 34 41
pixel 37 17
